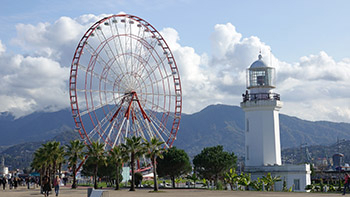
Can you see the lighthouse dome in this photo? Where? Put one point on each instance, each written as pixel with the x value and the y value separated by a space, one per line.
pixel 258 63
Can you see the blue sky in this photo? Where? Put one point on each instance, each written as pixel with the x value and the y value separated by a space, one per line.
pixel 292 28
pixel 309 40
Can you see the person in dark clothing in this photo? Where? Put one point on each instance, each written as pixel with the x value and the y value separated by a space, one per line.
pixel 346 183
pixel 27 180
pixel 46 186
pixel 15 182
pixel 4 183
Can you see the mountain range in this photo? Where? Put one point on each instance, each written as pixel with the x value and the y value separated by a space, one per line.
pixel 214 125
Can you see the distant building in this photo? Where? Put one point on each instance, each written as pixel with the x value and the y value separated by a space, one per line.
pixel 3 169
pixel 262 132
pixel 338 160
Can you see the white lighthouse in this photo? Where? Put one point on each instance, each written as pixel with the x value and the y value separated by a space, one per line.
pixel 261 106
pixel 262 132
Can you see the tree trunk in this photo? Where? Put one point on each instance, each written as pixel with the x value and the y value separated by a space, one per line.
pixel 155 174
pixel 60 169
pixel 132 188
pixel 95 176
pixel 74 185
pixel 117 177
pixel 173 181
pixel 53 174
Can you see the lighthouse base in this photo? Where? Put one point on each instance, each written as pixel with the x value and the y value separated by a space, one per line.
pixel 296 177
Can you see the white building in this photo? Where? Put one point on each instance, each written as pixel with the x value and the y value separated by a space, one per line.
pixel 262 133
pixel 3 169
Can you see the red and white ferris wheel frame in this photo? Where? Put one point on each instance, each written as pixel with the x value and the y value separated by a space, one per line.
pixel 77 116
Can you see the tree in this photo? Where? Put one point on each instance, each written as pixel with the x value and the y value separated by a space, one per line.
pixel 96 153
pixel 154 150
pixel 135 150
pixel 212 162
pixel 117 156
pixel 39 162
pixel 74 152
pixel 47 158
pixel 175 163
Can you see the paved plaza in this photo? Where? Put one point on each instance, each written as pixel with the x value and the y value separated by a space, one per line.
pixel 82 192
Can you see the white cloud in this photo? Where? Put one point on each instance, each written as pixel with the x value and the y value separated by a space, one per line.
pixel 2 48
pixel 314 88
pixel 32 83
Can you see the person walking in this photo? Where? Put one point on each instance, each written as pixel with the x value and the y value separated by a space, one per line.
pixel 4 182
pixel 346 183
pixel 46 186
pixel 57 183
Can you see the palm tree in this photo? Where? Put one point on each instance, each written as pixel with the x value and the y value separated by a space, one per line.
pixel 118 156
pixel 96 153
pixel 154 150
pixel 135 150
pixel 39 162
pixel 58 158
pixel 50 153
pixel 74 153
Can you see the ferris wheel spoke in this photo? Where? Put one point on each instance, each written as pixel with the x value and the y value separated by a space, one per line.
pixel 155 67
pixel 139 129
pixel 94 131
pixel 96 75
pixel 159 80
pixel 119 131
pixel 99 106
pixel 138 48
pixel 146 127
pixel 85 69
pixel 123 50
pixel 156 94
pixel 114 41
pixel 110 131
pixel 114 57
pixel 156 107
pixel 110 50
pixel 160 125
pixel 159 135
pixel 150 50
pixel 98 91
pixel 151 128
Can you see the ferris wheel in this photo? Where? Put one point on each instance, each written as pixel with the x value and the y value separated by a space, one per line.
pixel 124 82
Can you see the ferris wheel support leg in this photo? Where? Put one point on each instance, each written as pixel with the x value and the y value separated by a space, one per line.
pixel 81 164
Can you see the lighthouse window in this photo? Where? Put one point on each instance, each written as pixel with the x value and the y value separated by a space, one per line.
pixel 247 154
pixel 257 78
pixel 247 125
pixel 261 80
